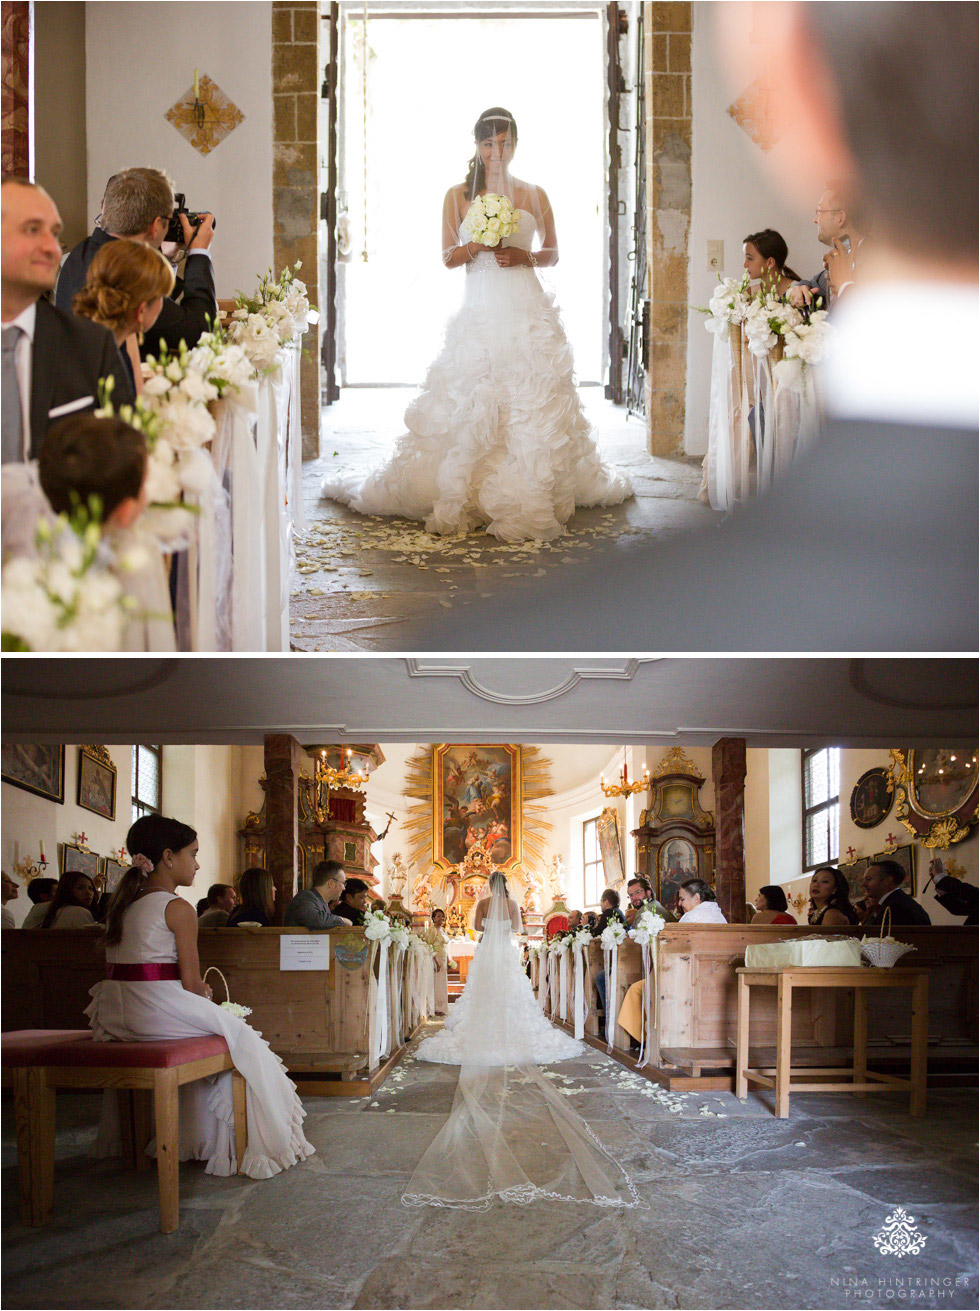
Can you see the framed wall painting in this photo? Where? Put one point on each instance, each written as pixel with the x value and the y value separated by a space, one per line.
pixel 611 847
pixel 872 798
pixel 113 870
pixel 677 861
pixel 854 873
pixel 477 801
pixel 97 781
pixel 75 859
pixel 35 768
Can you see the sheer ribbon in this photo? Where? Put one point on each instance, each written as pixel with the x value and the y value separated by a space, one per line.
pixel 610 962
pixel 563 985
pixel 382 1040
pixel 580 1003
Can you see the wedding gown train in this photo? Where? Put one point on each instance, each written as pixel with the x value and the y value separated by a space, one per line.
pixel 510 1134
pixel 497 436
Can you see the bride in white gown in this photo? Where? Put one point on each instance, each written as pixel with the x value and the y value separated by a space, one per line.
pixel 510 1134
pixel 497 436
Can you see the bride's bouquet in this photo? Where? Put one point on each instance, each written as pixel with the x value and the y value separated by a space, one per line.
pixel 490 218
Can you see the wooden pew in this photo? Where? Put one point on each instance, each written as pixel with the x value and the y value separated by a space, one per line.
pixel 320 1023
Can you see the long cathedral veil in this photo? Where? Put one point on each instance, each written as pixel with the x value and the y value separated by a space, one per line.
pixel 510 1133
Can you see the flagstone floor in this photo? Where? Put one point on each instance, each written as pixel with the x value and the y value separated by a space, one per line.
pixel 745 1211
pixel 369 584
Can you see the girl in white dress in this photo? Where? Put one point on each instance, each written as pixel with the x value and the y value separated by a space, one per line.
pixel 154 990
pixel 497 437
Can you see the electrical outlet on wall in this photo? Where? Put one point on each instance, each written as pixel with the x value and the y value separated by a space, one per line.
pixel 716 256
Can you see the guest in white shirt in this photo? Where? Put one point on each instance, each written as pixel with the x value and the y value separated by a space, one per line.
pixel 699 904
pixel 11 890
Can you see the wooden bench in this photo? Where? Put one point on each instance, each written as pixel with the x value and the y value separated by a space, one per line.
pixel 38 1063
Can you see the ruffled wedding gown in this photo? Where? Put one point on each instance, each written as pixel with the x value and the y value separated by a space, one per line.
pixel 497 436
pixel 141 1011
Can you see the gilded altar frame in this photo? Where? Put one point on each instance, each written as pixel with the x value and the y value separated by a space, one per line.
pixel 477 795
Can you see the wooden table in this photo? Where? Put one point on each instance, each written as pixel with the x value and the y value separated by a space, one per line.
pixel 788 977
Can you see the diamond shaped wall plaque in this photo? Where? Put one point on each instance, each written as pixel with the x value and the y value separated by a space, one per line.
pixel 206 119
pixel 752 111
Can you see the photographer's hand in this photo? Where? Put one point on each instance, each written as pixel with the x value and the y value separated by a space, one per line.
pixel 198 238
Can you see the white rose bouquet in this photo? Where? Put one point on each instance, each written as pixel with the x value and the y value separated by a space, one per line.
pixel 68 598
pixel 398 933
pixel 490 218
pixel 377 926
pixel 582 936
pixel 225 365
pixel 646 926
pixel 728 305
pixel 768 319
pixel 275 316
pixel 613 934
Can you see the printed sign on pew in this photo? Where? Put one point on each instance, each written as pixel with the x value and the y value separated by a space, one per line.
pixel 304 951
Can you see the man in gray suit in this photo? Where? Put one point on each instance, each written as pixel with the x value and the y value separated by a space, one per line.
pixel 310 909
pixel 52 360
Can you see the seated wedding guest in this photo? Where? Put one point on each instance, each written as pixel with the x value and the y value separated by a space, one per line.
pixel 124 291
pixel 310 909
pixel 219 903
pixel 574 920
pixel 771 907
pixel 641 897
pixel 590 920
pixel 11 890
pixel 698 902
pixel 354 901
pixel 379 904
pixel 830 898
pixel 609 903
pixel 884 881
pixel 257 893
pixel 766 253
pixel 40 892
pixel 52 360
pixel 139 204
pixel 867 904
pixel 71 906
pixel 201 907
pixel 436 936
pixel 832 220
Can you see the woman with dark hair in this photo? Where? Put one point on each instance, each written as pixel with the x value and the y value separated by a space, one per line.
pixel 497 438
pixel 766 253
pixel 830 898
pixel 154 989
pixel 73 902
pixel 771 906
pixel 258 900
pixel 698 902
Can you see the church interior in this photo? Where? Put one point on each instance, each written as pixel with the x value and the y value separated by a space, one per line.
pixel 572 776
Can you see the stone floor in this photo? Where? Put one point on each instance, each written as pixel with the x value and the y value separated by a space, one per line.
pixel 372 584
pixel 745 1211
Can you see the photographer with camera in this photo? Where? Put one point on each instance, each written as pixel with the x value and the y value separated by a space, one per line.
pixel 139 204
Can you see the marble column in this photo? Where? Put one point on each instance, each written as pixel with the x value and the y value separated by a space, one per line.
pixel 282 766
pixel 728 772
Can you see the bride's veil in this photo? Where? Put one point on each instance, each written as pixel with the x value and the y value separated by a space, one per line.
pixel 510 1133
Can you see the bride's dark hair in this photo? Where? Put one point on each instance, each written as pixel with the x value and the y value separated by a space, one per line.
pixel 490 122
pixel 496 881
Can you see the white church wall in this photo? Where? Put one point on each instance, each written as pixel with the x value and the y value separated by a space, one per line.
pixel 732 196
pixel 140 59
pixel 202 787
pixel 29 821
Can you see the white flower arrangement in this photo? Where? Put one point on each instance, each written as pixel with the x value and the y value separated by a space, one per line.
pixel 178 393
pixel 377 926
pixel 236 1009
pixel 581 937
pixel 559 945
pixel 728 305
pixel 273 318
pixel 646 926
pixel 490 218
pixel 225 365
pixel 398 933
pixel 613 934
pixel 68 598
pixel 768 319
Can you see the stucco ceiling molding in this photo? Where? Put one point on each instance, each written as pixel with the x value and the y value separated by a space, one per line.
pixel 895 683
pixel 619 670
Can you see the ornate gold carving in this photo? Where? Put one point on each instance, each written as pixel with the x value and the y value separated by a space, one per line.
pixel 100 754
pixel 677 762
pixel 204 119
pixel 942 834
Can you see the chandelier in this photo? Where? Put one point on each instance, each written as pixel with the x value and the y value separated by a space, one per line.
pixel 326 779
pixel 624 787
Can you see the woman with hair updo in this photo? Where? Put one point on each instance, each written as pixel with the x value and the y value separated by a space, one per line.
pixel 154 989
pixel 497 439
pixel 124 291
pixel 766 253
pixel 771 906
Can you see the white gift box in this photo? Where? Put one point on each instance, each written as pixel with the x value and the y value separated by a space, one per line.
pixel 826 952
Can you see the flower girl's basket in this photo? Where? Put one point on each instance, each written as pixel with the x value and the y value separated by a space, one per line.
pixel 227 1004
pixel 882 952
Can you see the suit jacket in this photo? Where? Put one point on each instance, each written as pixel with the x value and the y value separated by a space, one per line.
pixel 605 918
pixel 70 355
pixel 184 316
pixel 308 910
pixel 350 912
pixel 868 543
pixel 904 909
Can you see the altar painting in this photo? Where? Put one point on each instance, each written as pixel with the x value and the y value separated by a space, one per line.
pixel 678 862
pixel 477 800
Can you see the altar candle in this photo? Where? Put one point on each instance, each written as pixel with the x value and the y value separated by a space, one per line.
pixel 197 88
pixel 42 850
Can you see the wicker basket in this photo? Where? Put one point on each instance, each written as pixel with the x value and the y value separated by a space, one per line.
pixel 213 969
pixel 880 954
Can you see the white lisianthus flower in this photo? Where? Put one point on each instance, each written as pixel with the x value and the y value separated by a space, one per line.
pixel 174 370
pixel 196 387
pixel 156 385
pixel 195 472
pixel 613 934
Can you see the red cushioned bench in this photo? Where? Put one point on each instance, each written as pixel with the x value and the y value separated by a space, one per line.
pixel 39 1062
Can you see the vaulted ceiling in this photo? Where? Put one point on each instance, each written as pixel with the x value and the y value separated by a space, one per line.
pixel 769 701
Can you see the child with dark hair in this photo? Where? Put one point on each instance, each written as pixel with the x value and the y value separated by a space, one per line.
pixel 154 990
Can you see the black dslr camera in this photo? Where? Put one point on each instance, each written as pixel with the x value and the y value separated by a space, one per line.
pixel 175 232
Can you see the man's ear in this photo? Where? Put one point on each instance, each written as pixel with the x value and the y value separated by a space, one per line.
pixel 772 45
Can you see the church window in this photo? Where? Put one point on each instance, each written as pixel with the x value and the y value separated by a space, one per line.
pixel 147 780
pixel 591 862
pixel 821 806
